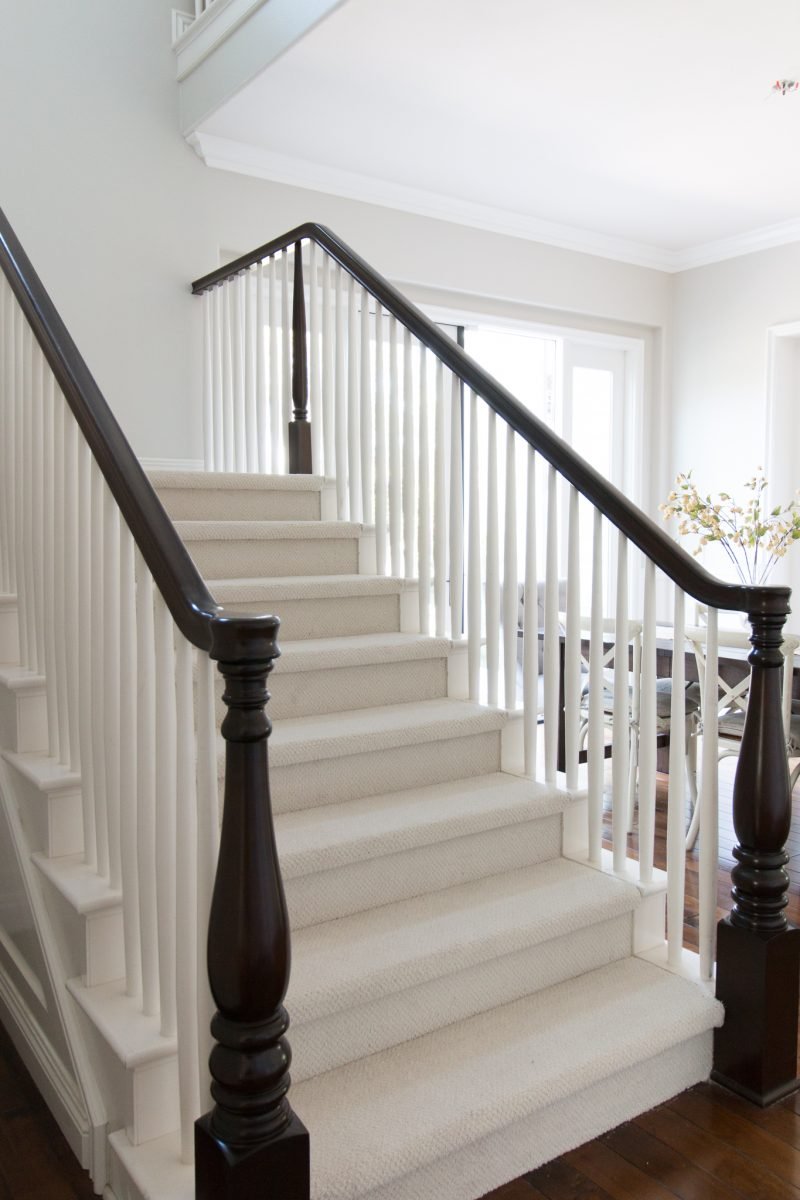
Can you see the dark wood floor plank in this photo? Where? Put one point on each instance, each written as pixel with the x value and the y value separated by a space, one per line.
pixel 620 1178
pixel 520 1189
pixel 559 1180
pixel 764 1148
pixel 670 1168
pixel 779 1120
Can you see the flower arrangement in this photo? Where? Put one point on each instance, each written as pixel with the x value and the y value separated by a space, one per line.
pixel 753 537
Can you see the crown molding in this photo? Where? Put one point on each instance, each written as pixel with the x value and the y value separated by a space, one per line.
pixel 244 158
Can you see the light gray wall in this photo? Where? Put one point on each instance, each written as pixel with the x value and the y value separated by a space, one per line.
pixel 118 215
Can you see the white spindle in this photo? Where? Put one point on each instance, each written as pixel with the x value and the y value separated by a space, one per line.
pixel 409 482
pixel 36 401
pixel 340 398
pixel 395 471
pixel 186 948
pixel 367 420
pixel 456 511
pixel 707 799
pixel 510 582
pixel 7 460
pixel 111 668
pixel 381 482
pixel 218 318
pixel 424 505
pixel 50 513
pixel 286 354
pixel 27 499
pixel 551 642
pixel 98 736
pixel 572 645
pixel 128 763
pixel 72 536
pixel 60 633
pixel 647 729
pixel 353 404
pixel 237 287
pixel 249 284
pixel 208 380
pixel 315 354
pixel 492 565
pixel 676 816
pixel 166 787
pixel 207 853
pixel 5 317
pixel 530 632
pixel 596 730
pixel 620 749
pixel 473 556
pixel 328 337
pixel 228 401
pixel 146 784
pixel 275 404
pixel 19 477
pixel 262 396
pixel 85 642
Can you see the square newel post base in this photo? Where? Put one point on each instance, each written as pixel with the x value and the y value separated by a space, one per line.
pixel 758 981
pixel 300 448
pixel 276 1170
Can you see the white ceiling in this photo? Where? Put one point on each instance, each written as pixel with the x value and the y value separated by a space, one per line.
pixel 642 128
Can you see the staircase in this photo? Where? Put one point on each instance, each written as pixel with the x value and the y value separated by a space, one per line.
pixel 465 1001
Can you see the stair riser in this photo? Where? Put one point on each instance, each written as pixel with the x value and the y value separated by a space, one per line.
pixel 241 558
pixel 9 633
pixel 249 504
pixel 337 689
pixel 91 943
pixel 374 773
pixel 359 886
pixel 342 1037
pixel 23 719
pixel 332 616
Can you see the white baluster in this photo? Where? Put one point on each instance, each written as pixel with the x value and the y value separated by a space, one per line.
pixel 208 381
pixel 29 532
pixel 166 787
pixel 510 583
pixel 72 535
pixel 596 730
pixel 275 403
pixel 328 338
pixel 18 401
pixel 572 645
pixel 367 421
pixel 340 398
pixel 492 566
pixel 128 764
pixel 49 548
pixel 286 354
pixel 218 329
pixel 5 311
pixel 395 459
pixel 551 635
pixel 456 512
pixel 439 510
pixel 249 284
pixel 228 400
pixel 424 499
pixel 98 678
pixel 676 814
pixel 620 749
pixel 647 729
pixel 708 801
pixel 262 399
pixel 530 633
pixel 409 481
pixel 237 286
pixel 111 669
pixel 146 784
pixel 474 557
pixel 353 410
pixel 37 499
pixel 186 948
pixel 207 854
pixel 86 656
pixel 60 632
pixel 7 460
pixel 381 482
pixel 314 385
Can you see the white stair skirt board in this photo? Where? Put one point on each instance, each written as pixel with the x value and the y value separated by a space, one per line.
pixel 465 1001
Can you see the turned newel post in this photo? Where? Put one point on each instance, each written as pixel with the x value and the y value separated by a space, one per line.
pixel 251 1146
pixel 758 952
pixel 299 427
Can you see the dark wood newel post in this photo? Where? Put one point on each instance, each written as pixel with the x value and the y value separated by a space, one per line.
pixel 299 427
pixel 758 951
pixel 251 1146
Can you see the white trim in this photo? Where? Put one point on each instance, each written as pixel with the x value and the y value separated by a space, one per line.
pixel 208 31
pixel 182 22
pixel 172 464
pixel 229 155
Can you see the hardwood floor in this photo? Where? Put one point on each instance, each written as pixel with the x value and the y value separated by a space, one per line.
pixel 704 1145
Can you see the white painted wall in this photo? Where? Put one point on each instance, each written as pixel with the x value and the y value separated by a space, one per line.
pixel 118 215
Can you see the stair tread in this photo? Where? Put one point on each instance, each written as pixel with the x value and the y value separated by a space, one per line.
pixel 293 587
pixel 236 481
pixel 422 1100
pixel 355 830
pixel 45 773
pixel 229 531
pixel 334 735
pixel 135 1038
pixel 311 654
pixel 358 958
pixel 78 882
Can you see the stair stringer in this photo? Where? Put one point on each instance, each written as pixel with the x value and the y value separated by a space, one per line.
pixel 38 1012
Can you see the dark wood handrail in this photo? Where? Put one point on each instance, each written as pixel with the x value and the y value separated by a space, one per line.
pixel 192 606
pixel 636 525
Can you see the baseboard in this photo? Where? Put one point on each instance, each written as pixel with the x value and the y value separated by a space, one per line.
pixel 172 464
